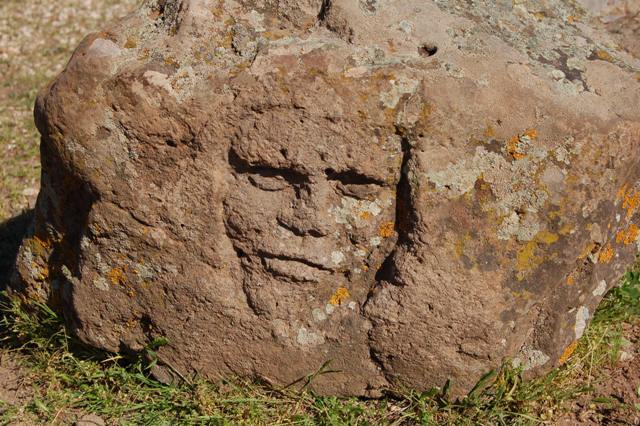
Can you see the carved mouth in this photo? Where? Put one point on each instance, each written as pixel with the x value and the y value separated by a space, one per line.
pixel 296 269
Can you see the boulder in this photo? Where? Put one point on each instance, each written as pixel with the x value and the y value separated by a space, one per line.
pixel 371 192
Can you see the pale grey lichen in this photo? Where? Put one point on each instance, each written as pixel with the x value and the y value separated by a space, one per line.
pixel 600 289
pixel 530 358
pixel 582 317
pixel 318 315
pixel 399 87
pixel 355 213
pixel 309 338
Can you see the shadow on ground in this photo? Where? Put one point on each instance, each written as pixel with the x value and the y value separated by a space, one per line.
pixel 11 233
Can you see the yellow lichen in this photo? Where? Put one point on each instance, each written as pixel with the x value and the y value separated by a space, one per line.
pixel 606 254
pixel 458 247
pixel 489 132
pixel 539 15
pixel 386 229
pixel 171 61
pixel 130 43
pixel 603 55
pixel 566 229
pixel 340 295
pixel 568 352
pixel 526 258
pixel 275 34
pixel 546 237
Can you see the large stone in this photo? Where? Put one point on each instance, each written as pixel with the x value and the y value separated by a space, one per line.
pixel 411 191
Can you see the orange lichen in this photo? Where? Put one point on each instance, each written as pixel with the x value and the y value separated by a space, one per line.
pixel 116 276
pixel 386 229
pixel 571 280
pixel 631 203
pixel 629 235
pixel 365 215
pixel 587 250
pixel 571 19
pixel 516 144
pixel 606 254
pixel 512 148
pixel 622 192
pixel 340 295
pixel 568 352
pixel 531 134
pixel 42 243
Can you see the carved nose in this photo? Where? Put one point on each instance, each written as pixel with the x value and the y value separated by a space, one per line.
pixel 309 214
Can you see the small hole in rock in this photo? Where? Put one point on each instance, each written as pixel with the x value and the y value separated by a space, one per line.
pixel 427 49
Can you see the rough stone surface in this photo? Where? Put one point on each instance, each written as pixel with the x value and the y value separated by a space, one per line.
pixel 621 18
pixel 413 191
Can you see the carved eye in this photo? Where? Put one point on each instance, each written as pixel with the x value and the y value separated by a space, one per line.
pixel 268 183
pixel 354 184
pixel 360 191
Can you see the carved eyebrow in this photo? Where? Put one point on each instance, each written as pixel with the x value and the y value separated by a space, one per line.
pixel 352 177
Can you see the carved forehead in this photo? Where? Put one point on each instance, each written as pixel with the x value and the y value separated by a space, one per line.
pixel 288 139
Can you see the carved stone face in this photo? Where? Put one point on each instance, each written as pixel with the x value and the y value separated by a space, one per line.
pixel 316 209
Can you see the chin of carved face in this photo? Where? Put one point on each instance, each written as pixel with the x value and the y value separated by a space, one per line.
pixel 313 210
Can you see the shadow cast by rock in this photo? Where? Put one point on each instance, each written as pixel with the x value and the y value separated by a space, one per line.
pixel 11 233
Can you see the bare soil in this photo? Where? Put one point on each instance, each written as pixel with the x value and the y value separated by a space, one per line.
pixel 616 388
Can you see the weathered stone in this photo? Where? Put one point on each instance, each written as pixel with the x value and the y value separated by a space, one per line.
pixel 621 18
pixel 411 190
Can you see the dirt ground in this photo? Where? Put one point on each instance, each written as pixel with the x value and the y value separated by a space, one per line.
pixel 615 390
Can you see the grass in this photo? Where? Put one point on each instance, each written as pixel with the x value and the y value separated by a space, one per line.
pixel 69 379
